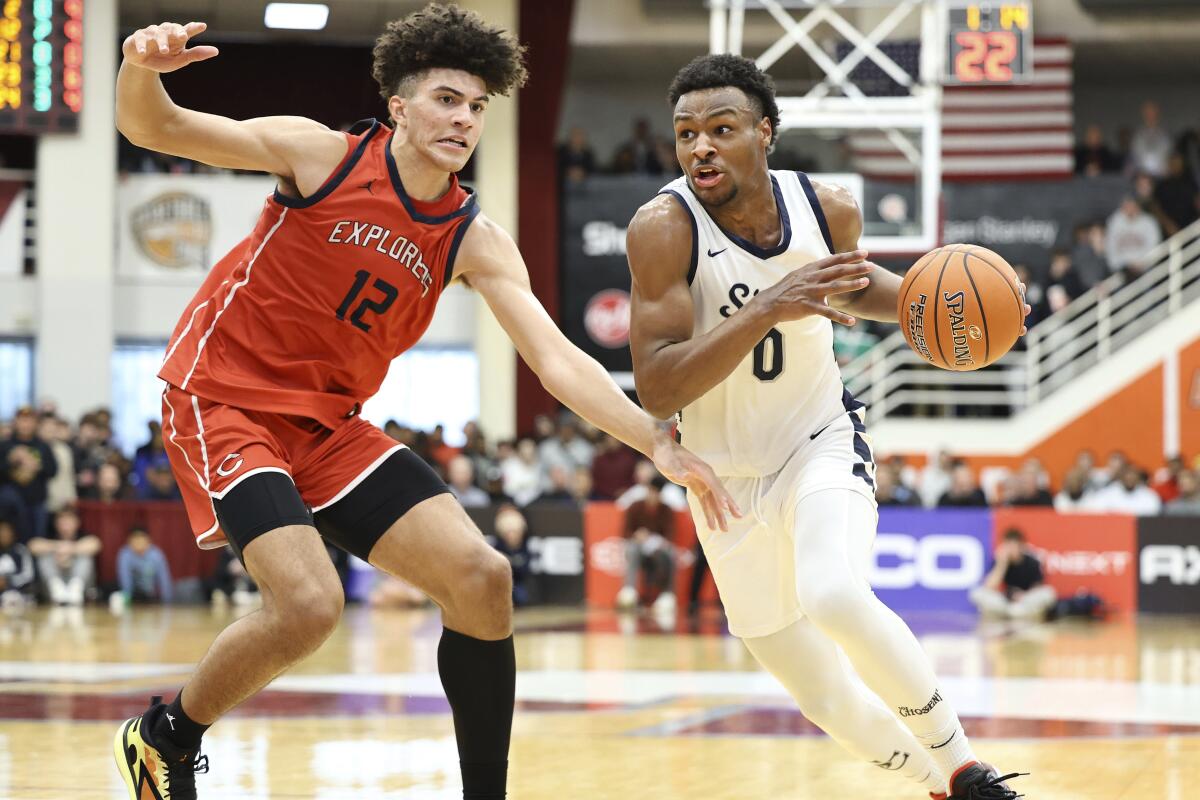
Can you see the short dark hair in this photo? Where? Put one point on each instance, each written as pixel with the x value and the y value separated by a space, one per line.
pixel 658 482
pixel 725 69
pixel 447 37
pixel 137 529
pixel 1014 535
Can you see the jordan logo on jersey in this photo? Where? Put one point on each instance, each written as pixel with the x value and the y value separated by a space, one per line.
pixel 395 247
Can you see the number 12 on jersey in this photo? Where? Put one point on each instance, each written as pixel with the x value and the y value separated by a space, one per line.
pixel 389 295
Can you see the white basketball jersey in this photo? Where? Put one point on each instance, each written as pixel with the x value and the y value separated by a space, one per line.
pixel 789 386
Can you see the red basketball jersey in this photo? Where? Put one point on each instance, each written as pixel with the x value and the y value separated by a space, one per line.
pixel 305 315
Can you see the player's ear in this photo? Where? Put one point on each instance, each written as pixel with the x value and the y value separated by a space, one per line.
pixel 397 110
pixel 765 131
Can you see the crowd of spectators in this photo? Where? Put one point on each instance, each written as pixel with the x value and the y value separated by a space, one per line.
pixel 1117 486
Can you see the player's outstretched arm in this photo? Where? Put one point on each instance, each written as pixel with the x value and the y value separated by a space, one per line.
pixel 300 150
pixel 491 264
pixel 671 368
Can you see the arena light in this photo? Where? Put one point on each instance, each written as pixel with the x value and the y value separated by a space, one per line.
pixel 296 16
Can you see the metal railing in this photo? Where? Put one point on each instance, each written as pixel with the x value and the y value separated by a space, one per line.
pixel 1076 338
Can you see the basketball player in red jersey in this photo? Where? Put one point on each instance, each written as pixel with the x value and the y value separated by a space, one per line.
pixel 296 327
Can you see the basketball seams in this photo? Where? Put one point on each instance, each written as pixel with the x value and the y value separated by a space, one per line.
pixel 987 338
pixel 937 294
pixel 1011 288
pixel 915 275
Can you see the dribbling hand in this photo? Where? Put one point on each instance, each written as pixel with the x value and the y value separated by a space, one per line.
pixel 163 48
pixel 802 292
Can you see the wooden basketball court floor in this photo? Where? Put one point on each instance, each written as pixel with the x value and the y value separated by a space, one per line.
pixel 608 707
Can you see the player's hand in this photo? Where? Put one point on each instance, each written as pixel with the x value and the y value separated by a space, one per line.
pixel 163 48
pixel 1026 306
pixel 679 465
pixel 802 292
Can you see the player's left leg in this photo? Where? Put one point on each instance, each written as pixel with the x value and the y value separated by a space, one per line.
pixel 810 667
pixel 833 531
pixel 401 517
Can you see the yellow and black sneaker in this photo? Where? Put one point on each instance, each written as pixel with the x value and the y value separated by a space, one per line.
pixel 155 771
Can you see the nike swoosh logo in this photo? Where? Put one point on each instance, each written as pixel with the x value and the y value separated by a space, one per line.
pixel 711 254
pixel 818 433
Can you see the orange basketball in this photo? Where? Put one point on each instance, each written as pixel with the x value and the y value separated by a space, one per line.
pixel 960 307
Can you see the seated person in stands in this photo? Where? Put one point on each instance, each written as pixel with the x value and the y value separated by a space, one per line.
pixel 67 560
pixel 1015 587
pixel 964 492
pixel 16 568
pixel 649 533
pixel 142 570
pixel 1188 501
pixel 230 581
pixel 511 541
pixel 890 490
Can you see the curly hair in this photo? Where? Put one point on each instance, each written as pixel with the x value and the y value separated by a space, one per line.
pixel 448 37
pixel 725 69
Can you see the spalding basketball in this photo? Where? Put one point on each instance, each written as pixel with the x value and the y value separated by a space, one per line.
pixel 960 307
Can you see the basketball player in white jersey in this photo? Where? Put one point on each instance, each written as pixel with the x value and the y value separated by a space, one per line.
pixel 738 274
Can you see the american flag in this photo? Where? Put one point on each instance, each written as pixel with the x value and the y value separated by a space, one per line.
pixel 1022 131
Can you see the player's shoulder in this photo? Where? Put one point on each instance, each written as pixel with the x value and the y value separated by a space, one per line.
pixel 842 214
pixel 662 222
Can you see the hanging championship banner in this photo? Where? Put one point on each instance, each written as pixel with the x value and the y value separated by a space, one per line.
pixel 175 227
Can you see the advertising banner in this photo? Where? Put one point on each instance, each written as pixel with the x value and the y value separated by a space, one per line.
pixel 175 227
pixel 1169 565
pixel 930 560
pixel 1091 553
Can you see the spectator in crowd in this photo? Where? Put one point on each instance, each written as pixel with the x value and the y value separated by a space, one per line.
pixel 1130 235
pixel 1177 197
pixel 441 452
pixel 567 449
pixel 92 450
pixel 558 489
pixel 16 568
pixel 142 570
pixel 1088 256
pixel 511 541
pixel 1074 493
pixel 229 582
pixel 890 491
pixel 649 548
pixel 66 559
pixel 158 483
pixel 476 448
pixel 1093 155
pixel 1063 283
pixel 1189 148
pixel 1151 145
pixel 582 490
pixel 612 468
pixel 964 492
pixel 575 158
pixel 1027 489
pixel 1014 587
pixel 935 478
pixel 522 473
pixel 543 428
pixel 27 464
pixel 1166 479
pixel 640 153
pixel 1035 294
pixel 493 484
pixel 109 485
pixel 149 456
pixel 60 490
pixel 1127 495
pixel 461 480
pixel 643 474
pixel 1187 503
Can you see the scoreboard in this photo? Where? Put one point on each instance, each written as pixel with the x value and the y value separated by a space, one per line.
pixel 989 43
pixel 41 65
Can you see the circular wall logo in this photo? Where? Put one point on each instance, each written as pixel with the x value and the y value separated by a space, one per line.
pixel 606 318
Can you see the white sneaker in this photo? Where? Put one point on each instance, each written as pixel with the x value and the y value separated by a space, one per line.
pixel 116 603
pixel 218 598
pixel 74 592
pixel 58 590
pixel 665 602
pixel 12 600
pixel 627 597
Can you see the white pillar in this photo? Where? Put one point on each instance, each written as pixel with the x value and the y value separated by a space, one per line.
pixel 76 247
pixel 496 182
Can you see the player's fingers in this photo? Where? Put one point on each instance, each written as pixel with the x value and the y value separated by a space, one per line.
pixel 840 287
pixel 202 53
pixel 139 43
pixel 160 38
pixel 195 28
pixel 829 312
pixel 839 258
pixel 852 270
pixel 709 518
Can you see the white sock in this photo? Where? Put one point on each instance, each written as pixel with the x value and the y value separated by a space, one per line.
pixel 948 747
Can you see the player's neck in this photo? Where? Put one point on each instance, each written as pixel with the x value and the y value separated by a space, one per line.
pixel 422 181
pixel 752 214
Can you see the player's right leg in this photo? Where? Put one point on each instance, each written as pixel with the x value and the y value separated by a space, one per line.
pixel 817 676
